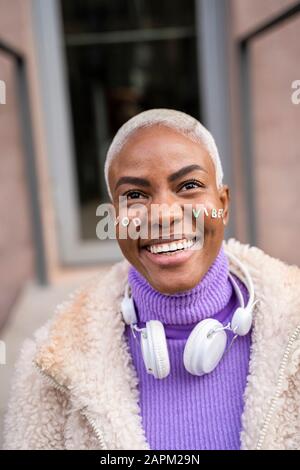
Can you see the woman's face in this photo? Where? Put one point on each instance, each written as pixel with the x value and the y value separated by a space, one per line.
pixel 157 165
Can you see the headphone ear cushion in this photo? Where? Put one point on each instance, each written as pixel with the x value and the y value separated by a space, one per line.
pixel 128 311
pixel 241 321
pixel 155 349
pixel 203 352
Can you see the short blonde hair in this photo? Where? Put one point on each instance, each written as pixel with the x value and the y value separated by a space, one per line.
pixel 177 120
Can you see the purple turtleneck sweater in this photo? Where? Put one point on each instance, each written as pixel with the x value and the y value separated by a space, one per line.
pixel 184 411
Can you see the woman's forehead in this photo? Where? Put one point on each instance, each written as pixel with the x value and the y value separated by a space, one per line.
pixel 158 148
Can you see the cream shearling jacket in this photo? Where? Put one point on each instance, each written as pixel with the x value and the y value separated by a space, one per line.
pixel 75 386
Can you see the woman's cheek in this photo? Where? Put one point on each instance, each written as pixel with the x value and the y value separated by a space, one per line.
pixel 129 249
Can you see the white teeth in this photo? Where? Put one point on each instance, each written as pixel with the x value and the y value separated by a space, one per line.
pixel 171 247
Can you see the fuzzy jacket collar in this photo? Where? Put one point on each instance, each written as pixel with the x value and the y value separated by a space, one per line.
pixel 84 350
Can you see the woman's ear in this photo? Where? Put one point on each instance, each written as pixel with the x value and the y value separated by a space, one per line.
pixel 224 195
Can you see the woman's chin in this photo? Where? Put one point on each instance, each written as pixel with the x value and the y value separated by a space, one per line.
pixel 180 275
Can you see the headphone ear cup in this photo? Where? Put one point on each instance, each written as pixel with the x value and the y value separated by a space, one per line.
pixel 242 321
pixel 203 352
pixel 128 311
pixel 155 349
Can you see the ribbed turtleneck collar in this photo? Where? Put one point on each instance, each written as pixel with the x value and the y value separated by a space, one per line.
pixel 205 300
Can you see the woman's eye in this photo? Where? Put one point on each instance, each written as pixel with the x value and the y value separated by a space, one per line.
pixel 191 185
pixel 134 195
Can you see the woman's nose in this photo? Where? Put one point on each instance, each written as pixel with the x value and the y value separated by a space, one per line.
pixel 166 211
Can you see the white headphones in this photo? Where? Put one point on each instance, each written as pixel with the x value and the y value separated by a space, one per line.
pixel 207 341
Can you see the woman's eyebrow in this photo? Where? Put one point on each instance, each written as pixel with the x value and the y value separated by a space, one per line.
pixel 183 171
pixel 132 180
pixel 146 183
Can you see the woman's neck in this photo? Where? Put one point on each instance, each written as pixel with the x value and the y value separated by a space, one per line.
pixel 205 300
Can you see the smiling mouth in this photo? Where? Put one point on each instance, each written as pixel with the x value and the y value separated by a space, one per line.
pixel 171 247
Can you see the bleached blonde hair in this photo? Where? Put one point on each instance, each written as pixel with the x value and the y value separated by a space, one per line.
pixel 176 120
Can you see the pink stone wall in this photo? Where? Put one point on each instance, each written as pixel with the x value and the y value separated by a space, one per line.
pixel 16 248
pixel 274 65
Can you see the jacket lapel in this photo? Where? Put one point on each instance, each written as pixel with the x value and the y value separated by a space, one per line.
pixel 276 318
pixel 86 353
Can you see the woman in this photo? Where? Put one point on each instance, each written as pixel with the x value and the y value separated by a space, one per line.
pixel 188 343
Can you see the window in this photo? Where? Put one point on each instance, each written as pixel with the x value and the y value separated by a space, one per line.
pixel 122 57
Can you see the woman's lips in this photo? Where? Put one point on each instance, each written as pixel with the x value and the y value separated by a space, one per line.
pixel 161 259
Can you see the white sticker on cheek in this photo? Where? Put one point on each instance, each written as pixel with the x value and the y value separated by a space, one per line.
pixel 125 221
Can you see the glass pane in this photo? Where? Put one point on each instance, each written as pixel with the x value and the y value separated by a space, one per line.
pixel 94 16
pixel 113 79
